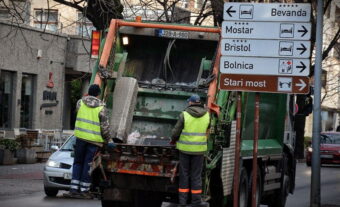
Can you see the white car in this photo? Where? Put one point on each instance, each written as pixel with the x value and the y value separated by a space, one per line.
pixel 58 168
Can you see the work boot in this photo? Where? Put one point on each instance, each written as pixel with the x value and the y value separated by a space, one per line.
pixel 196 199
pixel 201 204
pixel 183 198
pixel 72 194
pixel 86 195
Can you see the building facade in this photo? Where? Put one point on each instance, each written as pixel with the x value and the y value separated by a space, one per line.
pixel 330 94
pixel 35 71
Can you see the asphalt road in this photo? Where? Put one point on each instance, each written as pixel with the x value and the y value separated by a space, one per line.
pixel 330 186
pixel 27 190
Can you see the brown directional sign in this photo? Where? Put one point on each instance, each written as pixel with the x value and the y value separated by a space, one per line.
pixel 259 83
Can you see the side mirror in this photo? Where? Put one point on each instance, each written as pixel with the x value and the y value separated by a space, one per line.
pixel 54 148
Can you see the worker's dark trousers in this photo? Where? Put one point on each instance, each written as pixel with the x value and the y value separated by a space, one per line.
pixel 83 156
pixel 190 178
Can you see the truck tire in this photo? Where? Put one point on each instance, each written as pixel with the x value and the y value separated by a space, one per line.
pixel 258 188
pixel 280 197
pixel 216 188
pixel 51 192
pixel 243 189
pixel 107 203
pixel 147 199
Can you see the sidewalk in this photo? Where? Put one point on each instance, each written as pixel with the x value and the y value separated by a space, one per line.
pixel 20 179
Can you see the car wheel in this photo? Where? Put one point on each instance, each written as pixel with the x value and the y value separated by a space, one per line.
pixel 51 192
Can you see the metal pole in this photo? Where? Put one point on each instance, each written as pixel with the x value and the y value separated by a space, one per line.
pixel 237 151
pixel 315 187
pixel 255 143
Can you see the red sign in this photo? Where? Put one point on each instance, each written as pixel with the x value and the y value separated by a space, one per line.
pixel 259 83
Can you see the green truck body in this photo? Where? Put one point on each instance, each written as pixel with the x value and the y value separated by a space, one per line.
pixel 149 81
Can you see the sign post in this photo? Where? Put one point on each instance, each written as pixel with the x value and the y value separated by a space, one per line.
pixel 264 66
pixel 274 12
pixel 315 180
pixel 265 48
pixel 258 30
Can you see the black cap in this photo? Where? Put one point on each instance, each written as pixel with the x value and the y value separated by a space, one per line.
pixel 94 90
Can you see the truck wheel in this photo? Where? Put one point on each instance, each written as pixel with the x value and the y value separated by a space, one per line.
pixel 147 199
pixel 216 188
pixel 280 197
pixel 51 192
pixel 107 203
pixel 258 187
pixel 243 189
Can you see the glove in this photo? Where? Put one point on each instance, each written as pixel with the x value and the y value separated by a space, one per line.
pixel 111 145
pixel 172 142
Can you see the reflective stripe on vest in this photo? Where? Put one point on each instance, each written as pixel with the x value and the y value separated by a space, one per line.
pixel 193 137
pixel 88 124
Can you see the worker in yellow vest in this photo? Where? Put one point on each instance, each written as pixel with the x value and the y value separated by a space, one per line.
pixel 91 128
pixel 190 136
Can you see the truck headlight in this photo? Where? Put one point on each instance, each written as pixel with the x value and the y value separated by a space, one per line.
pixel 309 149
pixel 52 163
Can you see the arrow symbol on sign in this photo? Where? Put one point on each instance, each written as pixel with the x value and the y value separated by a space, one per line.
pixel 303 49
pixel 302 85
pixel 302 66
pixel 304 31
pixel 230 11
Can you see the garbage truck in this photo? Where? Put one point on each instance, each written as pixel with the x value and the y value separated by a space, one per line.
pixel 147 72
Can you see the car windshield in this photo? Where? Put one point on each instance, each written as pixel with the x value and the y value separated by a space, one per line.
pixel 330 138
pixel 69 144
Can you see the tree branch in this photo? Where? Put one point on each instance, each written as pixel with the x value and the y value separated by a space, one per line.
pixel 331 44
pixel 70 4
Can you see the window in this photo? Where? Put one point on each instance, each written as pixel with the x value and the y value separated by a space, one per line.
pixel 84 26
pixel 336 50
pixel 330 139
pixel 146 14
pixel 198 4
pixel 4 13
pixel 46 18
pixel 6 96
pixel 185 4
pixel 26 109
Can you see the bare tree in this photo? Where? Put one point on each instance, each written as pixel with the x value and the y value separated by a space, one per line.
pixel 168 10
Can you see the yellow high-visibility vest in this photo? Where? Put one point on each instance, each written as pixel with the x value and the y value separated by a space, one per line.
pixel 193 137
pixel 88 124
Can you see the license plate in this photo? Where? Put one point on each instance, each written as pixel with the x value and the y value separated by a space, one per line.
pixel 67 176
pixel 326 156
pixel 174 34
